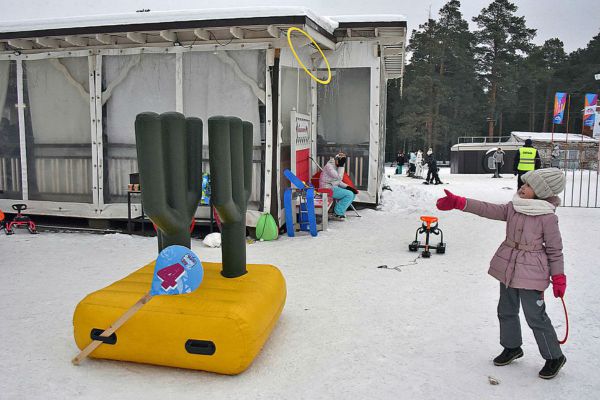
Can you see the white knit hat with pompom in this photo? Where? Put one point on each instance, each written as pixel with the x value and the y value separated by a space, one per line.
pixel 545 182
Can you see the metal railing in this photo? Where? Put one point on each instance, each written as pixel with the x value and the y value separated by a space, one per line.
pixel 483 139
pixel 582 187
pixel 63 172
pixel 10 173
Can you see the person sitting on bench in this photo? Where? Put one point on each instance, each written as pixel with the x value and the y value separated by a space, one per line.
pixel 331 178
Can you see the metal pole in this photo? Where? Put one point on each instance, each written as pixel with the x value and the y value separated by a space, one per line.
pixel 568 149
pixel 596 200
pixel 572 186
pixel 22 131
pixel 568 110
pixel 580 178
pixel 589 184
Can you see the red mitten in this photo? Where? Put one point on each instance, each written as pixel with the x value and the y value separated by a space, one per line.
pixel 559 285
pixel 450 202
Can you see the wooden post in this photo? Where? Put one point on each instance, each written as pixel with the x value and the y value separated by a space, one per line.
pixel 116 325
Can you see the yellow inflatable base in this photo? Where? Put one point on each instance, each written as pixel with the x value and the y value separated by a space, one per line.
pixel 220 327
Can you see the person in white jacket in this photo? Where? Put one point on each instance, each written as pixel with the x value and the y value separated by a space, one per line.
pixel 331 178
pixel 419 165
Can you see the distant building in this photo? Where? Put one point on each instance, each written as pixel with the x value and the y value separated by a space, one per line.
pixel 471 154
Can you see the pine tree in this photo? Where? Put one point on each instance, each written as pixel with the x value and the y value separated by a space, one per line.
pixel 462 104
pixel 442 98
pixel 417 107
pixel 502 39
pixel 543 62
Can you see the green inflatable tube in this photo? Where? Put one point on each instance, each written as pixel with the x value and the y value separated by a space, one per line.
pixel 230 157
pixel 169 155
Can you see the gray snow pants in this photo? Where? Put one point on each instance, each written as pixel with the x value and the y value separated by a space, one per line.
pixel 534 309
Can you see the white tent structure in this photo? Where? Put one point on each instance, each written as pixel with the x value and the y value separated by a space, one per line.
pixel 552 137
pixel 70 90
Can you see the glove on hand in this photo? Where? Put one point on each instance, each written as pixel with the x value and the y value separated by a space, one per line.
pixel 350 188
pixel 559 285
pixel 451 201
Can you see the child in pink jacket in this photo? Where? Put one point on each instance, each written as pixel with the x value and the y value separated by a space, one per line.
pixel 527 261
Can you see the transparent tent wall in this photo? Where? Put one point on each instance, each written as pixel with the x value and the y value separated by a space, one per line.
pixel 10 157
pixel 131 84
pixel 229 83
pixel 295 95
pixel 343 121
pixel 58 132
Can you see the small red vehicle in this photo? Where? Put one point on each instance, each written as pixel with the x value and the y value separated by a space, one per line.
pixel 20 220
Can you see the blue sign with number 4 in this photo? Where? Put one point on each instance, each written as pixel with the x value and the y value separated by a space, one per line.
pixel 178 270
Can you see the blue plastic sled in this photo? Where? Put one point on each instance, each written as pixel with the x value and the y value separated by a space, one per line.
pixel 306 218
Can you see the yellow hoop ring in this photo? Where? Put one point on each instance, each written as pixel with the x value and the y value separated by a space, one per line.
pixel 289 38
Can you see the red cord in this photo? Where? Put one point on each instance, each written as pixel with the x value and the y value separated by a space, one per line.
pixel 567 319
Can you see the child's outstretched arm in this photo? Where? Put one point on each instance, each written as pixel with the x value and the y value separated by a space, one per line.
pixel 481 208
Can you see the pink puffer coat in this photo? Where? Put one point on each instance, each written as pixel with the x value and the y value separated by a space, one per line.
pixel 532 250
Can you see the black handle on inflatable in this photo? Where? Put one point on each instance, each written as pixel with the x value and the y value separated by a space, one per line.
pixel 95 335
pixel 204 347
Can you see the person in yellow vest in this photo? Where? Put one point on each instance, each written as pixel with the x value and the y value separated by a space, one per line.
pixel 527 159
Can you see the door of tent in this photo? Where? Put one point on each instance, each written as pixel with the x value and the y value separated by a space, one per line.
pixel 349 116
pixel 296 141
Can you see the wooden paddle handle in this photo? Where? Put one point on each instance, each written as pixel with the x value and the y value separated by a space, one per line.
pixel 116 325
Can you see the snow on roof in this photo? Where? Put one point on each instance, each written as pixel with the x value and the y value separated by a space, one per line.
pixel 165 16
pixel 368 18
pixel 486 146
pixel 549 136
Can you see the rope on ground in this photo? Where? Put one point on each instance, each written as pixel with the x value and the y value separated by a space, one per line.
pixel 398 267
pixel 567 320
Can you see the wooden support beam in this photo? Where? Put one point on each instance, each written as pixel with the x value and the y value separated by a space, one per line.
pixel 47 42
pixel 273 31
pixel 202 34
pixel 76 41
pixel 3 46
pixel 136 37
pixel 323 41
pixel 168 35
pixel 236 32
pixel 22 44
pixel 106 39
pixel 301 41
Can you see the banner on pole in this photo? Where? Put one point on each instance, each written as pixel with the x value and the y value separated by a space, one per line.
pixel 560 99
pixel 589 111
pixel 596 131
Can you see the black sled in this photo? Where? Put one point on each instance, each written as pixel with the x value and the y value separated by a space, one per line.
pixel 429 226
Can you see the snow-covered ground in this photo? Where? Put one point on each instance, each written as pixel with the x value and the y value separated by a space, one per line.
pixel 349 330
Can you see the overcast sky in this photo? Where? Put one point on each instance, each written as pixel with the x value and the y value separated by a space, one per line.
pixel 575 22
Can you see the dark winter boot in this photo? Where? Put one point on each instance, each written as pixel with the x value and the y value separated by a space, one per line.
pixel 507 356
pixel 339 217
pixel 552 367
